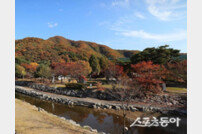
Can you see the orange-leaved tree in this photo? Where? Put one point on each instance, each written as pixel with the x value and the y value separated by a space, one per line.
pixel 75 69
pixel 148 76
pixel 113 71
pixel 30 68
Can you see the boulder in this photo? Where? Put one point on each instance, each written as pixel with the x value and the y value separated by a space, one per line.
pixel 133 109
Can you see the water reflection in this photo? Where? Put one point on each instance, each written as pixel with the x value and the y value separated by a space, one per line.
pixel 102 121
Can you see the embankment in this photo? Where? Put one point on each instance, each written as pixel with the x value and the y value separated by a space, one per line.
pixel 30 120
pixel 95 103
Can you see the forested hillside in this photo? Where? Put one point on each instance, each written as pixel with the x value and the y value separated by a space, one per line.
pixel 59 48
pixel 58 56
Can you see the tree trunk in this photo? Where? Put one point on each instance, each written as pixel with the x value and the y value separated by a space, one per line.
pixel 53 80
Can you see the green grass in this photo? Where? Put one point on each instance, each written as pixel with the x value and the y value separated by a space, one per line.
pixel 25 79
pixel 176 90
pixel 57 85
pixel 107 86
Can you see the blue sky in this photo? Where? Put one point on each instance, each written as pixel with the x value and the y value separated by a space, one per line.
pixel 119 24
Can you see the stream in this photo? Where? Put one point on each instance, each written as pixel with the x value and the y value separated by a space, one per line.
pixel 102 121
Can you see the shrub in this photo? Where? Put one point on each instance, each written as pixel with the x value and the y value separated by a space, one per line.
pixel 148 76
pixel 99 86
pixel 76 86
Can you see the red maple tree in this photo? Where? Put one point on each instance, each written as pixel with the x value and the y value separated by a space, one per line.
pixel 148 76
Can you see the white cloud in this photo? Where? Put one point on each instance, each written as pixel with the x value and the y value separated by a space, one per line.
pixel 121 3
pixel 180 35
pixel 126 21
pixel 139 15
pixel 166 10
pixel 162 15
pixel 51 25
pixel 122 23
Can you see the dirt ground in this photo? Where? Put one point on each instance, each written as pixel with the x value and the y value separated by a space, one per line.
pixel 28 120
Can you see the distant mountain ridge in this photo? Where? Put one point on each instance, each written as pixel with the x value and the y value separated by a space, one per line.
pixel 58 49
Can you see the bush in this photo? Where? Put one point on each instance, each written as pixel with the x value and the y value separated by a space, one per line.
pixel 99 86
pixel 75 86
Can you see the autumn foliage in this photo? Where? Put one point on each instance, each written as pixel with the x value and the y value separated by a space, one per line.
pixel 59 48
pixel 177 71
pixel 20 71
pixel 148 75
pixel 75 69
pixel 30 68
pixel 58 56
pixel 113 71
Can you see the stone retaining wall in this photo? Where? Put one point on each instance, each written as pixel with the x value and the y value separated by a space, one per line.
pixel 169 100
pixel 79 102
pixel 74 93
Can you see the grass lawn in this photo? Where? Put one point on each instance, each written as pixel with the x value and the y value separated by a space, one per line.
pixel 25 79
pixel 176 90
pixel 57 85
pixel 107 86
pixel 28 120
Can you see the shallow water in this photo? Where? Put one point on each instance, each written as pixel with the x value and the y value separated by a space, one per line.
pixel 102 121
